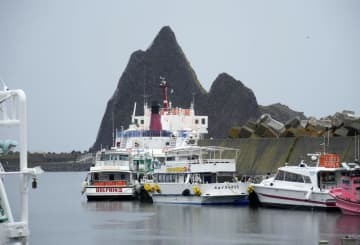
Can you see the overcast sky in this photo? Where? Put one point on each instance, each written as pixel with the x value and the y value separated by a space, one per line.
pixel 68 55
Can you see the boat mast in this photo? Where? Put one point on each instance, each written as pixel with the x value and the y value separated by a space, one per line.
pixel 355 147
pixel 164 87
pixel 113 127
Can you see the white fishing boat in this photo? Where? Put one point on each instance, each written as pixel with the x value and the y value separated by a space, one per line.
pixel 112 177
pixel 13 114
pixel 305 185
pixel 197 175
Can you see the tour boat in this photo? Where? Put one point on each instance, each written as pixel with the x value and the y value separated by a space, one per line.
pixel 347 196
pixel 301 186
pixel 13 113
pixel 113 176
pixel 197 175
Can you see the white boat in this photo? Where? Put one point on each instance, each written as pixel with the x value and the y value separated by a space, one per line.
pixel 197 175
pixel 112 177
pixel 13 113
pixel 144 144
pixel 161 128
pixel 305 185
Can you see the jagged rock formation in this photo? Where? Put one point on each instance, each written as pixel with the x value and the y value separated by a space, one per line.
pixel 227 104
pixel 281 112
pixel 141 79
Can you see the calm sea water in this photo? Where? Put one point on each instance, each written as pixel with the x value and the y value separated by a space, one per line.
pixel 60 215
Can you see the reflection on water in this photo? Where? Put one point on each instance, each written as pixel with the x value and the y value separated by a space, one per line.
pixel 348 224
pixel 182 224
pixel 60 215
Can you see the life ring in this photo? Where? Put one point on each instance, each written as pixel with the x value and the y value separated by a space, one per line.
pixel 196 190
pixel 157 188
pixel 147 187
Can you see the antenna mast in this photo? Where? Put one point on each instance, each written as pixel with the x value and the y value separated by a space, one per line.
pixel 164 87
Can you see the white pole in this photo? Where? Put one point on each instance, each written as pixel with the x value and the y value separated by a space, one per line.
pixel 358 149
pixel 23 158
pixel 355 148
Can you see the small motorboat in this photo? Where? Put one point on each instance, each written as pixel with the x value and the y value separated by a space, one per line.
pixel 306 185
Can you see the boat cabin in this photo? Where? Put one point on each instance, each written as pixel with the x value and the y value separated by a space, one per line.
pixel 195 164
pixel 350 184
pixel 319 177
pixel 110 178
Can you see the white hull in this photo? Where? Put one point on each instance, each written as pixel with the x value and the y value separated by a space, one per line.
pixel 211 194
pixel 109 192
pixel 269 196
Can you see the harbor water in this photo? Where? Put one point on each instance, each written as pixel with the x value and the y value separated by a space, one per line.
pixel 59 214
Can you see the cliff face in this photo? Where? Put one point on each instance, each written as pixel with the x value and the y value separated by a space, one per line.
pixel 227 104
pixel 141 79
pixel 281 112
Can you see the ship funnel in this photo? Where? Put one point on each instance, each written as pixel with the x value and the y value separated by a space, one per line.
pixel 155 120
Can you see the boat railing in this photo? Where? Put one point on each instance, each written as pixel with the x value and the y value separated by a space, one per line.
pixel 13 113
pixel 110 183
pixel 218 161
pixel 114 163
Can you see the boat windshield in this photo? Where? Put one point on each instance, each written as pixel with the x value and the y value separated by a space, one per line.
pixel 113 156
pixel 292 177
pixel 100 177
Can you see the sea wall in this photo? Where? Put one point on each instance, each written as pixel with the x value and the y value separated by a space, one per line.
pixel 264 155
pixel 256 156
pixel 50 166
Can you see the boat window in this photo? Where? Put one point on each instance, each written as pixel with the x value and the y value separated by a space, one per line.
pixel 307 179
pixel 280 175
pixel 346 182
pixel 203 121
pixel 141 121
pixel 327 177
pixel 170 159
pixel 356 181
pixel 123 157
pixel 196 121
pixel 292 177
pixel 96 176
pixel 167 178
pixel 111 176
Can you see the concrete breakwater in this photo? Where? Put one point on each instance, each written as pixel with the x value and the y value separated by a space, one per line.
pixel 50 161
pixel 51 166
pixel 259 156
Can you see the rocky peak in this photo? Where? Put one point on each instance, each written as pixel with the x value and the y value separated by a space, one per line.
pixel 165 39
pixel 228 103
pixel 141 78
